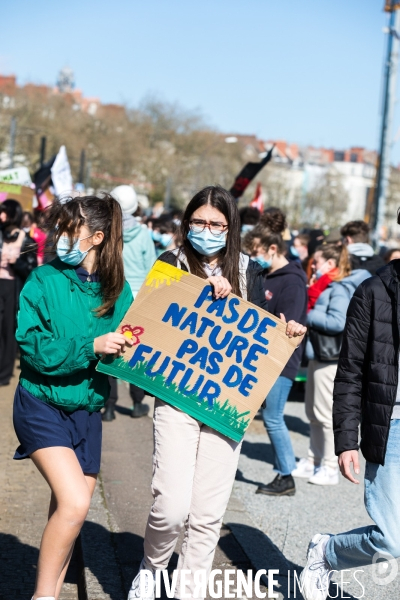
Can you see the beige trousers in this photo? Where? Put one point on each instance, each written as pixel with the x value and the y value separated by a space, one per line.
pixel 194 469
pixel 319 402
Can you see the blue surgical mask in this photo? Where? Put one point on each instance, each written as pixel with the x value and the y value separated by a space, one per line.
pixel 246 228
pixel 205 242
pixel 166 239
pixel 156 235
pixel 264 264
pixel 73 257
pixel 294 251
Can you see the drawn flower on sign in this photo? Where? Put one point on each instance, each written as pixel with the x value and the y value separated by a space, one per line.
pixel 132 332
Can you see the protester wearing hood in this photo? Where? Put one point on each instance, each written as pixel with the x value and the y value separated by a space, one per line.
pixel 17 260
pixel 138 256
pixel 325 322
pixel 285 286
pixel 362 255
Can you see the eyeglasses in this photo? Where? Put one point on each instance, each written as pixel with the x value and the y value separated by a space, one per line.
pixel 198 225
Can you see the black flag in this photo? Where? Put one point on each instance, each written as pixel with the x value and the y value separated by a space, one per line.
pixel 42 177
pixel 247 174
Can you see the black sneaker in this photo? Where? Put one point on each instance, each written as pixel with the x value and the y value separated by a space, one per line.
pixel 108 414
pixel 282 485
pixel 140 410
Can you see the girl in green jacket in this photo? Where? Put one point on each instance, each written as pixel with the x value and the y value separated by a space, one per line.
pixel 68 309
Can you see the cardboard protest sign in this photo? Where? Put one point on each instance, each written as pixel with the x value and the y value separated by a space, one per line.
pixel 16 176
pixel 23 194
pixel 216 360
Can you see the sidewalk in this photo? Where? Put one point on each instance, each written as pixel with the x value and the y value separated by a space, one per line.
pixel 259 532
pixel 112 537
pixel 24 500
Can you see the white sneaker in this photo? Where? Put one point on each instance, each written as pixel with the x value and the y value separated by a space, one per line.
pixel 148 585
pixel 325 476
pixel 305 469
pixel 316 575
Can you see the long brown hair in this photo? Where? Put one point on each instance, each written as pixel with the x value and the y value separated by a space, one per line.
pixel 340 255
pixel 98 213
pixel 228 258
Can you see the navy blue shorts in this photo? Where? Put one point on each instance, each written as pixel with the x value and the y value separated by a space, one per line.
pixel 39 425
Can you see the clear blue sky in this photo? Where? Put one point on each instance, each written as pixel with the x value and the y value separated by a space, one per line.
pixel 308 71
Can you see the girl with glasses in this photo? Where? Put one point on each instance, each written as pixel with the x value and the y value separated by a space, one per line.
pixel 194 465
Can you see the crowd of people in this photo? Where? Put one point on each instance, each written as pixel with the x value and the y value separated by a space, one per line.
pixel 93 254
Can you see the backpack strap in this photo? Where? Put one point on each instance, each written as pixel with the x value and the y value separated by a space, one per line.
pixel 180 258
pixel 243 265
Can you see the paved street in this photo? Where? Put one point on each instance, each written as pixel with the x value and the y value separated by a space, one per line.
pixel 24 500
pixel 259 532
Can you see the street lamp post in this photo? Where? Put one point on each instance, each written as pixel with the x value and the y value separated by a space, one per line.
pixel 389 99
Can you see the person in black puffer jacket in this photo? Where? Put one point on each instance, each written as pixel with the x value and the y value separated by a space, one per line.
pixel 366 392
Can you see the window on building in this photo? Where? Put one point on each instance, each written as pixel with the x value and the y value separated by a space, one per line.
pixel 338 156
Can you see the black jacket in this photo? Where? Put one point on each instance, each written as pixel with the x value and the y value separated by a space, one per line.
pixel 255 287
pixel 367 376
pixel 369 263
pixel 286 292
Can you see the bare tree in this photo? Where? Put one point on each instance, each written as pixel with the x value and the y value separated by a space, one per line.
pixel 327 201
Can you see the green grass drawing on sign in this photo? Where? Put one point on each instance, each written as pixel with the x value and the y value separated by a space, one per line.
pixel 224 414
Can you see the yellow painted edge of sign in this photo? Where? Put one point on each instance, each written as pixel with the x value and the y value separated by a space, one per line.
pixel 162 272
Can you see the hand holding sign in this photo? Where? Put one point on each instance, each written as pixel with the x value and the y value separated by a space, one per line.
pixel 294 329
pixel 111 343
pixel 202 349
pixel 222 287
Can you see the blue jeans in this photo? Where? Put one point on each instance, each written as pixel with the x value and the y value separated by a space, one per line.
pixel 382 501
pixel 284 459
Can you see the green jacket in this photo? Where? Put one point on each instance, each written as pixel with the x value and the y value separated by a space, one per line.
pixel 56 329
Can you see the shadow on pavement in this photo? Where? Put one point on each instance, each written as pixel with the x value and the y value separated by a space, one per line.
pixel 241 477
pixel 258 450
pixel 18 568
pixel 297 425
pixel 293 423
pixel 127 553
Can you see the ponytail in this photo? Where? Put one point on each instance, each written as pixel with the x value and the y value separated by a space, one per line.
pixel 110 266
pixel 340 255
pixel 344 264
pixel 98 213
